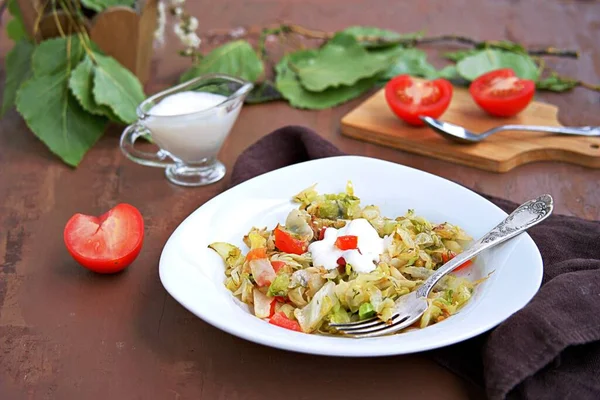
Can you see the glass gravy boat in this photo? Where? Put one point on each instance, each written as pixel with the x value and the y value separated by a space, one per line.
pixel 189 140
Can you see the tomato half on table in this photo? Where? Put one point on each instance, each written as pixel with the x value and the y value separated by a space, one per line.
pixel 108 243
pixel 501 93
pixel 409 98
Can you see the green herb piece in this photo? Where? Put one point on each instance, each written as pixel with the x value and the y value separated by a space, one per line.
pixel 366 310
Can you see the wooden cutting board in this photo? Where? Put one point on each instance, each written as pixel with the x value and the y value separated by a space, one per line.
pixel 373 121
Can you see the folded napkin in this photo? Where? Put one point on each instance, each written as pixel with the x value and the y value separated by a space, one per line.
pixel 548 349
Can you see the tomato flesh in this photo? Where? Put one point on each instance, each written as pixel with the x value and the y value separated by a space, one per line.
pixel 281 320
pixel 410 98
pixel 501 93
pixel 277 265
pixel 108 243
pixel 450 255
pixel 256 254
pixel 285 242
pixel 348 242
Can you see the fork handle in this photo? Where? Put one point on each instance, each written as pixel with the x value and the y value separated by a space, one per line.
pixel 524 217
pixel 566 130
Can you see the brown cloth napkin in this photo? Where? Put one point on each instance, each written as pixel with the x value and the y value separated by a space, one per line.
pixel 550 349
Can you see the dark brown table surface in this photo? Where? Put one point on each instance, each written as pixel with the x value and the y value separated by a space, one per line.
pixel 66 333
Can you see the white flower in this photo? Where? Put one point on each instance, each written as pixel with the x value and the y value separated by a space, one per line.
pixel 159 33
pixel 191 40
pixel 192 24
pixel 179 31
pixel 178 11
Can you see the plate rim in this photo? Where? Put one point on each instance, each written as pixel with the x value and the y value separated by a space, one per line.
pixel 334 352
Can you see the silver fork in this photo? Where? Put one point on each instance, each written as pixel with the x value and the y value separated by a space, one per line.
pixel 410 307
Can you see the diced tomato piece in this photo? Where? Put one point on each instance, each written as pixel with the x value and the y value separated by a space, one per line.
pixel 464 265
pixel 280 299
pixel 257 254
pixel 285 242
pixel 449 255
pixel 277 265
pixel 322 233
pixel 272 311
pixel 341 262
pixel 348 242
pixel 281 320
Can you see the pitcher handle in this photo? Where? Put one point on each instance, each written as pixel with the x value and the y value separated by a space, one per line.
pixel 128 138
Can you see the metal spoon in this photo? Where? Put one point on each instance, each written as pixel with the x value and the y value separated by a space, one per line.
pixel 462 135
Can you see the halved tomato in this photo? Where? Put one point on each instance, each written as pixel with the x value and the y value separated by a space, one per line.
pixel 501 93
pixel 409 98
pixel 108 243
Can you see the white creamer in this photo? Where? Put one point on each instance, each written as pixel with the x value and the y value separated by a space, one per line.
pixel 178 125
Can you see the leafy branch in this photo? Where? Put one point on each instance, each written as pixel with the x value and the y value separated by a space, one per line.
pixel 65 88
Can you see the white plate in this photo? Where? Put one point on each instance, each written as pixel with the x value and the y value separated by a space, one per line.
pixel 193 274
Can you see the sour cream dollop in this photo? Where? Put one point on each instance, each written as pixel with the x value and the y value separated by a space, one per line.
pixel 325 253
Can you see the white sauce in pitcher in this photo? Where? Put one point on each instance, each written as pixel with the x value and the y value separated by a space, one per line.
pixel 177 126
pixel 325 253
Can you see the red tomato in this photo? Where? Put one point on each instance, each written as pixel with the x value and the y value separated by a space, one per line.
pixel 410 98
pixel 108 243
pixel 502 93
pixel 348 242
pixel 322 233
pixel 285 242
pixel 277 265
pixel 281 320
pixel 256 254
pixel 450 255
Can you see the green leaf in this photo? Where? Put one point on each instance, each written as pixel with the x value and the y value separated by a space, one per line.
pixel 18 70
pixel 81 84
pixel 556 83
pixel 341 62
pixel 117 87
pixel 488 60
pixel 460 54
pixel 263 93
pixel 372 37
pixel 57 119
pixel 449 72
pixel 101 5
pixel 15 28
pixel 235 58
pixel 412 62
pixel 58 55
pixel 289 86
